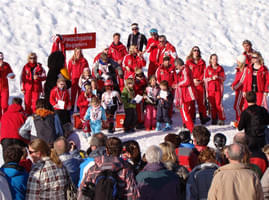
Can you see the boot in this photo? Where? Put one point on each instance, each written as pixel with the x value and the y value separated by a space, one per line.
pixel 203 119
pixel 111 127
pixel 221 122
pixel 167 127
pixel 214 121
pixel 158 126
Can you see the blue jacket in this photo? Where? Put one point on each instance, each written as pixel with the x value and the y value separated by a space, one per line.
pixel 187 145
pixel 86 164
pixel 158 183
pixel 199 181
pixel 17 178
pixel 72 165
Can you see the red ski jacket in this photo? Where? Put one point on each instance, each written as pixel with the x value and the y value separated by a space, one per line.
pixel 75 68
pixel 239 79
pixel 56 94
pixel 210 83
pixel 262 79
pixel 152 48
pixel 197 69
pixel 132 62
pixel 117 52
pixel 5 70
pixel 166 50
pixel 27 77
pixel 165 73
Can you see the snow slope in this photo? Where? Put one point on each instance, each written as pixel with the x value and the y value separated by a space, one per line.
pixel 217 26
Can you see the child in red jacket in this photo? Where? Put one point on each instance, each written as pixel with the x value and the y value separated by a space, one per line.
pixel 60 100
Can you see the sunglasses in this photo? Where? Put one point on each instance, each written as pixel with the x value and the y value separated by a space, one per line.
pixel 161 41
pixel 32 58
pixel 31 152
pixel 134 29
pixel 139 75
pixel 254 57
pixel 195 50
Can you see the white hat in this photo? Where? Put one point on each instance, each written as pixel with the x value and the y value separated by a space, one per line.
pixel 241 58
pixel 1 56
pixel 134 25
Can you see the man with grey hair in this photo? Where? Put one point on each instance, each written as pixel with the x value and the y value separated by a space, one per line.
pixel 240 138
pixel 155 181
pixel 235 180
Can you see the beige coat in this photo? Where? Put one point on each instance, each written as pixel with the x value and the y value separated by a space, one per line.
pixel 265 184
pixel 235 182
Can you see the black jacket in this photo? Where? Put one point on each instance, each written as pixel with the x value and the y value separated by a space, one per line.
pixel 138 39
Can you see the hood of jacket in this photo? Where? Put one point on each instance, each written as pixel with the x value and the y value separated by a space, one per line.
pixel 15 108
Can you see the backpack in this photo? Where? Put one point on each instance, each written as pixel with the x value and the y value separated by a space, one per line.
pixel 257 129
pixel 105 187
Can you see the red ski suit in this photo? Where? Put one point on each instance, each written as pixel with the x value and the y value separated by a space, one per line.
pixel 5 70
pixel 152 49
pixel 132 62
pixel 184 95
pixel 166 50
pixel 139 88
pixel 56 94
pixel 31 87
pixel 198 73
pixel 214 79
pixel 83 103
pixel 262 84
pixel 237 86
pixel 165 73
pixel 75 69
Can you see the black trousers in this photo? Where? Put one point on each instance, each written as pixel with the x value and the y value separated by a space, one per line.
pixel 163 114
pixel 130 118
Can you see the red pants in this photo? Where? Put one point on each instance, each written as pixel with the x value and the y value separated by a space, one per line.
pixel 238 104
pixel 200 101
pixel 75 90
pixel 150 116
pixel 140 113
pixel 4 95
pixel 152 68
pixel 30 98
pixel 217 111
pixel 186 115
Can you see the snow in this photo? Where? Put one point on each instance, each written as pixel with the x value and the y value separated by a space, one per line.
pixel 217 26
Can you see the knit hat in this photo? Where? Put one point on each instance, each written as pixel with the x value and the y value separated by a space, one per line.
pixel 241 58
pixel 1 56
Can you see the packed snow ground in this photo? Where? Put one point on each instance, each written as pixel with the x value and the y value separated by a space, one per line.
pixel 217 26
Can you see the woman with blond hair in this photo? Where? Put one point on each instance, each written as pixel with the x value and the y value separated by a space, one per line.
pixel 237 86
pixel 48 178
pixel 132 61
pixel 76 66
pixel 197 65
pixel 257 79
pixel 31 82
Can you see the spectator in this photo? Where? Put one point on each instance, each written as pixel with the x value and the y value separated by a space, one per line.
pixel 97 148
pixel 189 157
pixel 185 138
pixel 127 186
pixel 265 184
pixel 44 124
pixel 169 159
pixel 11 121
pixel 201 176
pixel 173 138
pixel 48 179
pixel 266 151
pixel 16 175
pixel 254 120
pixel 6 73
pixel 61 146
pixel 76 66
pixel 131 152
pixel 136 38
pixel 156 182
pixel 220 142
pixel 32 76
pixel 5 193
pixel 235 180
